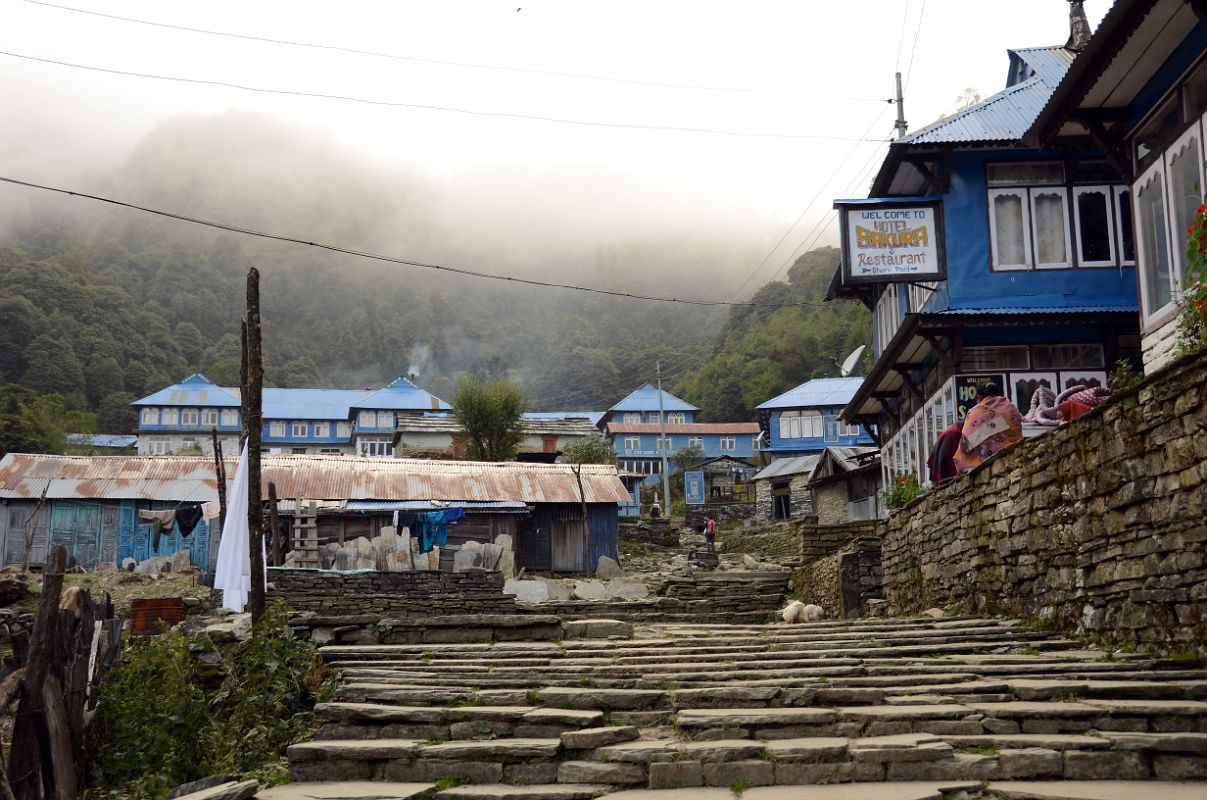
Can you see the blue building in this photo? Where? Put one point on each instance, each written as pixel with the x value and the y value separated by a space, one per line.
pixel 1137 91
pixel 182 417
pixel 805 420
pixel 1016 265
pixel 632 425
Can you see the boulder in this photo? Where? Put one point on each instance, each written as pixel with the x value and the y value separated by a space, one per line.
pixel 241 626
pixel 608 568
pixel 504 540
pixel 180 560
pixel 627 589
pixel 934 613
pixel 154 565
pixel 590 590
pixel 527 591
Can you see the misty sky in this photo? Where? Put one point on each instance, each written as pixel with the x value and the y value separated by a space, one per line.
pixel 788 62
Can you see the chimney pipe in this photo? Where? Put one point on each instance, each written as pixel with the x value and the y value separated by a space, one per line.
pixel 1079 27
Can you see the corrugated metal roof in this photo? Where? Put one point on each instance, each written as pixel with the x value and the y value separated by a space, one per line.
pixel 195 390
pixel 849 458
pixel 1022 312
pixel 328 404
pixel 688 427
pixel 1048 63
pixel 646 399
pixel 1003 117
pixel 788 466
pixel 593 416
pixel 402 395
pixel 101 439
pixel 498 506
pixel 309 477
pixel 816 393
pixel 536 427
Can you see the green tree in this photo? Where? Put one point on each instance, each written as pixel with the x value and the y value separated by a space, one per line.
pixel 29 422
pixel 589 450
pixel 688 457
pixel 52 367
pixel 490 415
pixel 102 377
pixel 114 413
pixel 191 343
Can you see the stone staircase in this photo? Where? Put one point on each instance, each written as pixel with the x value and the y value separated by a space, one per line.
pixel 897 706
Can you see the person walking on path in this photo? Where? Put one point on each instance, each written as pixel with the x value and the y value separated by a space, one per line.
pixel 710 535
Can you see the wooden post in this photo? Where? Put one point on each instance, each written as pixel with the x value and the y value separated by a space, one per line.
pixel 274 523
pixel 220 474
pixel 578 473
pixel 25 762
pixel 251 392
pixel 31 527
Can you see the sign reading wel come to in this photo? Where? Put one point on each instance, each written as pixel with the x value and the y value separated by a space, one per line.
pixel 885 242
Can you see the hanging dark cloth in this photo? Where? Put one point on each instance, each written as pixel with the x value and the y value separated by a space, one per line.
pixel 453 515
pixel 432 531
pixel 187 518
pixel 158 520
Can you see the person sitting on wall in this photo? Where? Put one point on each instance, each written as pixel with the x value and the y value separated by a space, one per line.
pixel 941 463
pixel 992 425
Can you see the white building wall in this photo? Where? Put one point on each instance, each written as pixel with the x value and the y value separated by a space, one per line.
pixel 1158 346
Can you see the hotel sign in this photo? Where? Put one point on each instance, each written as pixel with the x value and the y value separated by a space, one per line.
pixel 886 242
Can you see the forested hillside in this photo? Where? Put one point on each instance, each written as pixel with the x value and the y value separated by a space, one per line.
pixel 99 306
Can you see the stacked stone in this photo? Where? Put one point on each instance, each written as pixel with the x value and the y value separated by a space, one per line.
pixel 391 593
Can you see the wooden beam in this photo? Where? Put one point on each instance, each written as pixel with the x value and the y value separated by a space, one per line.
pixel 938 185
pixel 252 392
pixel 904 371
pixel 1199 7
pixel 1108 144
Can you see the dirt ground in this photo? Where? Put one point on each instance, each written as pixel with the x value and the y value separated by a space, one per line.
pixel 121 586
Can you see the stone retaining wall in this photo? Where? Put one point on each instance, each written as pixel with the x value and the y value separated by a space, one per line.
pixel 819 541
pixel 1097 527
pixel 391 593
pixel 722 512
pixel 842 583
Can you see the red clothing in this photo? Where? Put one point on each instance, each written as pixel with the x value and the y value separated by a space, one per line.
pixel 941 463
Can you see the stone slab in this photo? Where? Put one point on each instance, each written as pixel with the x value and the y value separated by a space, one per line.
pixel 732 717
pixel 810 750
pixel 498 791
pixel 563 716
pixel 347 749
pixel 915 790
pixel 492 750
pixel 1168 742
pixel 346 790
pixel 591 738
pixel 1094 790
pixel 231 790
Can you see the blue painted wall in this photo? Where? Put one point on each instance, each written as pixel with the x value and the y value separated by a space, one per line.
pixel 743 445
pixel 815 444
pixel 108 531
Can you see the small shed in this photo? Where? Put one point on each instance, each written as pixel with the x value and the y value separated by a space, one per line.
pixel 782 488
pixel 726 479
pixel 846 485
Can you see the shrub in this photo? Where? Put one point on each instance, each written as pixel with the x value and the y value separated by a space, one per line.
pixel 1192 324
pixel 903 490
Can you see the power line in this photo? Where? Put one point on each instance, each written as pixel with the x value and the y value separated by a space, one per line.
pixel 461 64
pixel 681 367
pixel 910 70
pixel 804 211
pixel 392 259
pixel 424 106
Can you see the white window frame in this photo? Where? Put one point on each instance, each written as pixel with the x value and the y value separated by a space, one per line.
pixel 149 416
pixel 385 420
pixel 330 451
pixel 374 448
pixel 1124 261
pixel 276 429
pixel 299 430
pixel 230 416
pixel 322 430
pixel 663 444
pixel 789 424
pixel 631 418
pixel 676 418
pixel 1063 192
pixel 189 417
pixel 209 417
pixel 1115 237
pixel 829 430
pixel 729 444
pixel 367 419
pixel 695 441
pixel 169 416
pixel 158 446
pixel 1176 230
pixel 343 429
pixel 811 425
pixel 888 314
pixel 1025 205
pixel 632 444
pixel 1141 234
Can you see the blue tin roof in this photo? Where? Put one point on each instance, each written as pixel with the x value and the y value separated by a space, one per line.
pixel 646 399
pixel 195 390
pixel 1049 64
pixel 102 440
pixel 815 393
pixel 1125 308
pixel 402 395
pixel 309 403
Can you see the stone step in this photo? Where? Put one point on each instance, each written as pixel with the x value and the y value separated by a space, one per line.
pixel 936 790
pixel 347 790
pixel 371 720
pixel 501 791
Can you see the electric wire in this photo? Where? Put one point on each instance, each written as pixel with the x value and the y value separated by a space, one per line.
pixel 392 259
pixel 428 107
pixel 462 64
pixel 918 32
pixel 679 365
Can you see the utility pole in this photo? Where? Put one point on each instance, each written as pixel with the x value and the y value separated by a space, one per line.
pixel 663 445
pixel 251 394
pixel 900 110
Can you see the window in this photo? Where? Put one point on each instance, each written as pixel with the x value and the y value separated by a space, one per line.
pixel 1050 227
pixel 975 359
pixel 1025 173
pixel 330 451
pixel 728 444
pixel 230 416
pixel 695 441
pixel 854 430
pixel 298 451
pixel 366 419
pixel 157 446
pixel 343 430
pixel 375 447
pixel 1156 279
pixel 888 315
pixel 149 416
pixel 170 416
pixel 664 444
pixel 188 443
pixel 1127 236
pixel 189 418
pixel 276 429
pixel 789 424
pixel 1009 229
pixel 298 429
pixel 322 430
pixel 1076 356
pixel 675 418
pixel 632 443
pixel 1159 131
pixel 632 419
pixel 830 428
pixel 1092 215
pixel 209 417
pixel 800 425
pixel 385 420
pixel 1024 384
pixel 1184 166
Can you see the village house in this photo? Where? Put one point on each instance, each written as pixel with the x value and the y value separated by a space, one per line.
pixel 1138 93
pixel 982 259
pixel 438 435
pixel 805 420
pixel 91 506
pixel 181 418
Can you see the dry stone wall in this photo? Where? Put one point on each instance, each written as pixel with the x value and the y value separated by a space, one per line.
pixel 390 593
pixel 819 541
pixel 1098 526
pixel 842 583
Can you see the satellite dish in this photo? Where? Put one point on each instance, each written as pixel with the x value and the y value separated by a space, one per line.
pixel 851 361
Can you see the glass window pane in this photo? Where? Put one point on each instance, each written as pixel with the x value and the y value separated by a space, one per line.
pixel 1194 93
pixel 1150 212
pixel 1185 167
pixel 1051 239
pixel 1009 241
pixel 1094 225
pixel 1037 173
pixel 1127 236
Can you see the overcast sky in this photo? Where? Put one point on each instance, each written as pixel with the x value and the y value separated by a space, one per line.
pixel 814 73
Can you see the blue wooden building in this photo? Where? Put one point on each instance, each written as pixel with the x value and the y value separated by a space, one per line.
pixel 1138 92
pixel 181 417
pixel 1031 277
pixel 805 420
